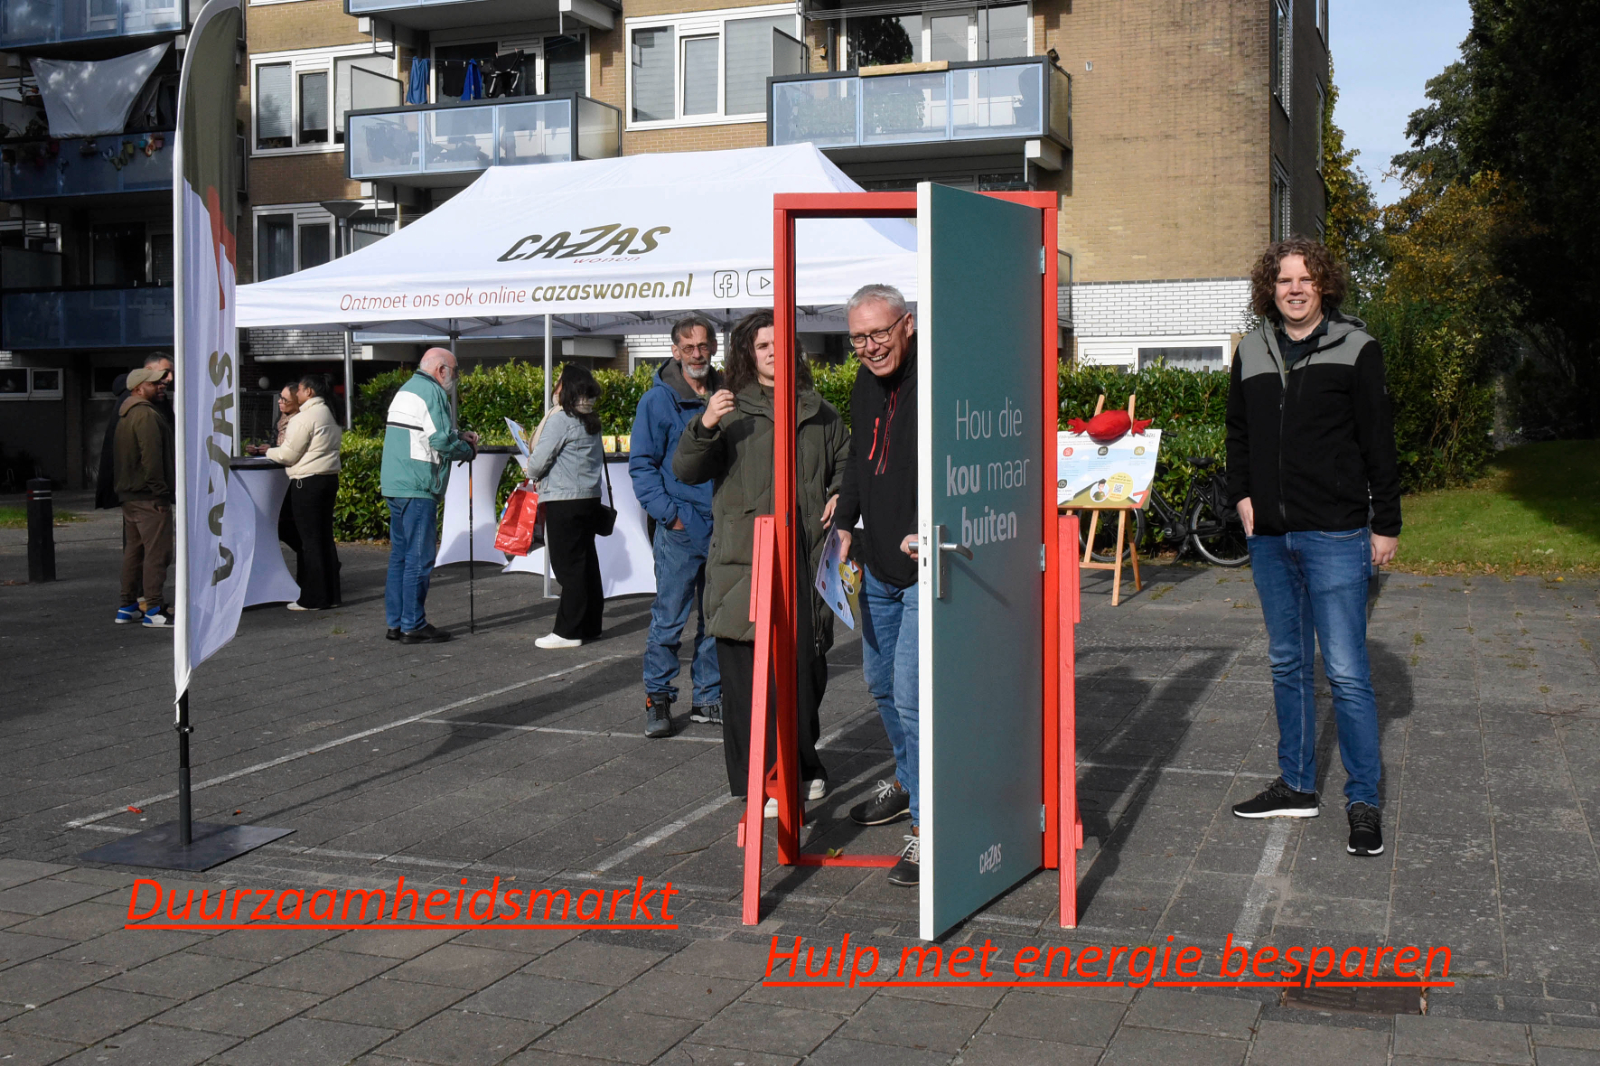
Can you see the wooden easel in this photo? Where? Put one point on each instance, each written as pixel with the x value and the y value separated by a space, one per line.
pixel 1122 530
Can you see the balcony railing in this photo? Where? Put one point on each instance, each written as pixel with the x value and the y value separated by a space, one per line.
pixel 1024 99
pixel 94 166
pixel 27 24
pixel 87 318
pixel 446 144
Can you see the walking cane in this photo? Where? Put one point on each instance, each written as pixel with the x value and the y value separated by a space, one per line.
pixel 472 560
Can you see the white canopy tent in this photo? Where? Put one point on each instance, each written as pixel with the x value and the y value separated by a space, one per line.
pixel 603 246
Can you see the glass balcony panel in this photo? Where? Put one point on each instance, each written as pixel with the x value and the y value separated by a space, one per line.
pixel 87 318
pixel 75 168
pixel 996 101
pixel 599 130
pixel 459 139
pixel 822 112
pixel 904 108
pixel 29 23
pixel 535 133
pixel 384 145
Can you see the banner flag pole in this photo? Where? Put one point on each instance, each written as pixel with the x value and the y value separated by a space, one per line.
pixel 214 544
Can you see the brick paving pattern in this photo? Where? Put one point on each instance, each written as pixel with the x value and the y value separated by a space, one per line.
pixel 488 757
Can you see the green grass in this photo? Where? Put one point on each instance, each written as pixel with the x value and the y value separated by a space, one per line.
pixel 17 517
pixel 1536 511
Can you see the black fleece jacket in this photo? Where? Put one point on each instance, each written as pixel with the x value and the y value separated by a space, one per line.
pixel 880 480
pixel 1310 431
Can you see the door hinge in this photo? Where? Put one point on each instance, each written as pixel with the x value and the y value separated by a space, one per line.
pixel 1041 558
pixel 1041 259
pixel 1042 810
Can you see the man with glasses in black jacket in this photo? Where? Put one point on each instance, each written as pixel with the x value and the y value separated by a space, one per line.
pixel 880 489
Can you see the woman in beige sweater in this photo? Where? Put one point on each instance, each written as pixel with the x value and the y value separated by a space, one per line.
pixel 310 450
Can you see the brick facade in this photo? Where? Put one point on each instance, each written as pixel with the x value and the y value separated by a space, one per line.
pixel 1156 308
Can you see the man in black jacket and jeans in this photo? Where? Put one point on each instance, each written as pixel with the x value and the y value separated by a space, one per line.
pixel 880 489
pixel 1312 469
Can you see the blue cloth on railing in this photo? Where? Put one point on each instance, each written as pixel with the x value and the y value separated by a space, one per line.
pixel 417 87
pixel 472 85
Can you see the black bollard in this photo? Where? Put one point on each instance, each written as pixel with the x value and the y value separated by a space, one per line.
pixel 41 531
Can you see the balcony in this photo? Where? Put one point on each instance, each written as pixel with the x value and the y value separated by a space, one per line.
pixel 449 14
pixel 86 318
pixel 450 144
pixel 79 167
pixel 929 110
pixel 44 25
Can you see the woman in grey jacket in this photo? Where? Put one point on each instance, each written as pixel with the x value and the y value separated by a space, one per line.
pixel 566 462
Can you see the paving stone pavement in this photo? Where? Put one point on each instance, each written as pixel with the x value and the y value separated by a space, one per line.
pixel 489 757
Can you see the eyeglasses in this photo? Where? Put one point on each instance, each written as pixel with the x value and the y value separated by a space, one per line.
pixel 689 349
pixel 877 336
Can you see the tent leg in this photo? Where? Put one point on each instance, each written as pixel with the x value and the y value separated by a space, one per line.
pixel 349 383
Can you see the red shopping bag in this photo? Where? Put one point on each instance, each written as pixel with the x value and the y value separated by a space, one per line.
pixel 522 526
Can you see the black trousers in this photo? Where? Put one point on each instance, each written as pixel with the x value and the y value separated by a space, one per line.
pixel 736 659
pixel 311 503
pixel 569 538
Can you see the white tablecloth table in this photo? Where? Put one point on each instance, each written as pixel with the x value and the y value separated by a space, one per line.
pixel 265 484
pixel 627 564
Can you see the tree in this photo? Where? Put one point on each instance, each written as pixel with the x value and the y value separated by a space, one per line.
pixel 1352 234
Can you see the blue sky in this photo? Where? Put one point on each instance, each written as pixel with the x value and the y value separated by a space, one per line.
pixel 1384 52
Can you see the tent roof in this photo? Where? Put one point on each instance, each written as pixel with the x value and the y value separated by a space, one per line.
pixel 608 245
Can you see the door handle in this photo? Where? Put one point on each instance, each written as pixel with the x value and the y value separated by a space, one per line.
pixel 941 570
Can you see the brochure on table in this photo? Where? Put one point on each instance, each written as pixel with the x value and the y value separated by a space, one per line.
pixel 839 580
pixel 1105 476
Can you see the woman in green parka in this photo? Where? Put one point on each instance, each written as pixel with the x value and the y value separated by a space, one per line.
pixel 730 443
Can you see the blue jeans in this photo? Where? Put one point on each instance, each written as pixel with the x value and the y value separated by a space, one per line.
pixel 1313 589
pixel 680 585
pixel 889 651
pixel 413 543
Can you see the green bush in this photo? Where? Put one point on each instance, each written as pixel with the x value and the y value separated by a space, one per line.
pixel 359 511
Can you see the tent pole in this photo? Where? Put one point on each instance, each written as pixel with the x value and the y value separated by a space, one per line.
pixel 549 368
pixel 185 821
pixel 349 383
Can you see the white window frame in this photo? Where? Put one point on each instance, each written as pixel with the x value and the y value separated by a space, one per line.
pixel 1322 19
pixel 312 214
pixel 306 61
pixel 925 38
pixel 698 24
pixel 533 43
pixel 1283 54
pixel 1123 351
pixel 1281 226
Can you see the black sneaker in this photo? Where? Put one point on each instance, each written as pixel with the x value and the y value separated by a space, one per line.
pixel 908 871
pixel 1278 801
pixel 426 635
pixel 711 713
pixel 1366 830
pixel 393 634
pixel 657 716
pixel 890 804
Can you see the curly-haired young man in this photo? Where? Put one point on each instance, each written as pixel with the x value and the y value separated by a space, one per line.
pixel 1312 470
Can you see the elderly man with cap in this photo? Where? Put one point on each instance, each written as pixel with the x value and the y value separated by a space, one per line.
pixel 418 448
pixel 146 483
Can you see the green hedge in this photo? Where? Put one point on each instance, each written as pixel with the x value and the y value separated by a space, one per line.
pixel 1188 406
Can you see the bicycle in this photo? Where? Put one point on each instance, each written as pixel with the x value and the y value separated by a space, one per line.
pixel 1205 521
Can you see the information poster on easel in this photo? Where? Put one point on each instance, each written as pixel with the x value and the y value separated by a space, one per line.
pixel 1094 476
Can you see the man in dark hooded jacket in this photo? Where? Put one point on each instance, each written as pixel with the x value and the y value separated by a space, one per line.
pixel 105 485
pixel 682 515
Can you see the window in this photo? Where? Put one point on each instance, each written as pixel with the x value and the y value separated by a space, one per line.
pixel 302 236
pixel 710 66
pixel 1209 357
pixel 1281 221
pixel 301 99
pixel 513 66
pixel 958 35
pixel 1282 52
pixel 1322 121
pixel 1322 19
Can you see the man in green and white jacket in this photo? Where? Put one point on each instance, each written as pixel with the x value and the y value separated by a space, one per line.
pixel 418 448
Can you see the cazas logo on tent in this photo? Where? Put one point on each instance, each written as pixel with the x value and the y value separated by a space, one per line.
pixel 613 240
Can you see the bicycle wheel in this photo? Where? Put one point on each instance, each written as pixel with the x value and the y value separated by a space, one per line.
pixel 1105 537
pixel 1216 530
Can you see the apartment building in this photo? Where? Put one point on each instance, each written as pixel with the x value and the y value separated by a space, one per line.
pixel 1180 137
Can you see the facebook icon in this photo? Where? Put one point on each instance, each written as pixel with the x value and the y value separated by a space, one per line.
pixel 725 284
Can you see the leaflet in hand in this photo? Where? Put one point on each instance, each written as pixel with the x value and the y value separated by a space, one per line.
pixel 839 580
pixel 520 437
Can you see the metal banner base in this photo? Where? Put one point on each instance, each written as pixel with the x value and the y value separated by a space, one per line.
pixel 213 844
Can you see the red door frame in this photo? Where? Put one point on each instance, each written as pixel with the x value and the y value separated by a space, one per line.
pixel 776 606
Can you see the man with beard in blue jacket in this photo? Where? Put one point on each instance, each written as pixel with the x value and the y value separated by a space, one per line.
pixel 682 515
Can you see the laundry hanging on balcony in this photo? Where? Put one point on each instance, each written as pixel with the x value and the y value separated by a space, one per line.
pixel 472 84
pixel 417 87
pixel 92 98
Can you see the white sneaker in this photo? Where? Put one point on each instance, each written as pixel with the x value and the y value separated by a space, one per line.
pixel 295 606
pixel 816 789
pixel 771 809
pixel 551 641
